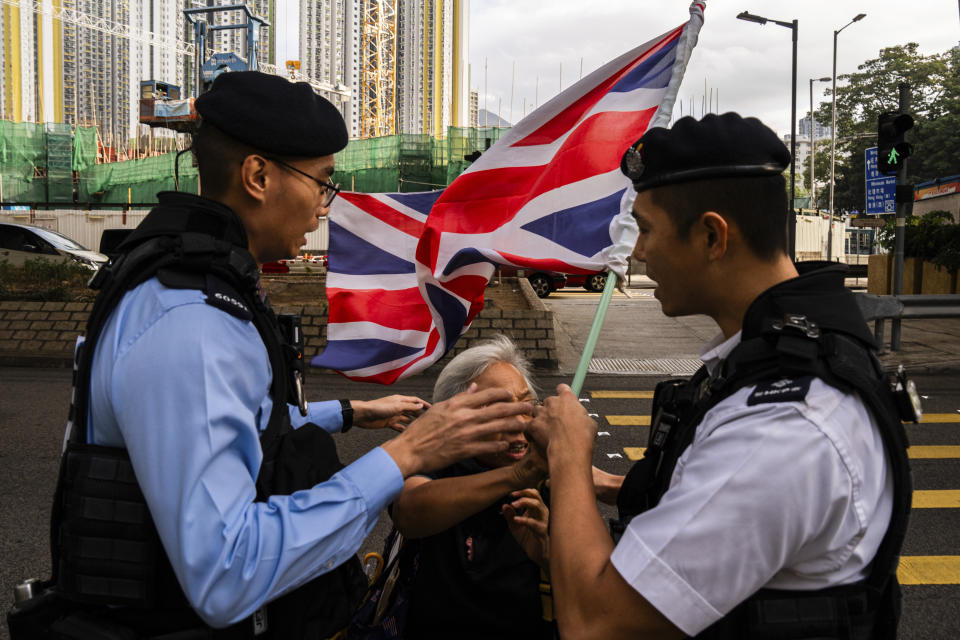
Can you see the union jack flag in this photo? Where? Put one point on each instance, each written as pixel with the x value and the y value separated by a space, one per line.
pixel 404 285
pixel 378 325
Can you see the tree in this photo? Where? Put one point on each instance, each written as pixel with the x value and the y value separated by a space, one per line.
pixel 934 103
pixel 937 145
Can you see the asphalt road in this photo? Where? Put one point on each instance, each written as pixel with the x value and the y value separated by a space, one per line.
pixel 33 409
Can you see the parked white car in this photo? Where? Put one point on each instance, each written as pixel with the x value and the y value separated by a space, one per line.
pixel 22 242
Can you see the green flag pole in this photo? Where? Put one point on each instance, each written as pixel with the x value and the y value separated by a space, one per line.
pixel 594 335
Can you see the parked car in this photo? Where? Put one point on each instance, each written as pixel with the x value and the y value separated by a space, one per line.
pixel 279 266
pixel 22 242
pixel 283 266
pixel 546 282
pixel 591 282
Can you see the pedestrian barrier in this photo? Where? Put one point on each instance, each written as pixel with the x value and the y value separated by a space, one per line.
pixel 877 308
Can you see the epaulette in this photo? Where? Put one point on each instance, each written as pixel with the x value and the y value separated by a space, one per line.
pixel 219 293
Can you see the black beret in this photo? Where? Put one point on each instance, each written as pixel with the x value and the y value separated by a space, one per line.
pixel 718 146
pixel 272 114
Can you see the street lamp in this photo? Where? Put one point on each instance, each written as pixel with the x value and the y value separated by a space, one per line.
pixel 791 215
pixel 833 133
pixel 813 125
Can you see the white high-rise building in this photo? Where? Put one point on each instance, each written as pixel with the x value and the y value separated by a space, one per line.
pixel 426 91
pixel 97 73
pixel 473 116
pixel 56 71
pixel 351 75
pixel 432 64
pixel 822 130
pixel 329 47
pixel 322 38
pixel 19 87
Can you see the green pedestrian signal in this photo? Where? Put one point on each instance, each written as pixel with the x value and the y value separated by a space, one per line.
pixel 892 149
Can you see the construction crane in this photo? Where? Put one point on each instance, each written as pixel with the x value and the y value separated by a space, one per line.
pixel 110 27
pixel 378 82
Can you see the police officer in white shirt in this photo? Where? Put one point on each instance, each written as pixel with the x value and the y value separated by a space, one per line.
pixel 774 492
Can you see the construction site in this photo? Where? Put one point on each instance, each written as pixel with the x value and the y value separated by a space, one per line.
pixel 49 166
pixel 96 99
pixel 395 69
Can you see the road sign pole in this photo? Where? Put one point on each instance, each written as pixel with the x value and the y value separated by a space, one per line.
pixel 904 209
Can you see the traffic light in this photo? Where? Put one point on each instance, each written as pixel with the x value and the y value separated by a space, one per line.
pixel 892 149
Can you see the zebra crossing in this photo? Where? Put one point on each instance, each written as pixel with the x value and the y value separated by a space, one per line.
pixel 629 433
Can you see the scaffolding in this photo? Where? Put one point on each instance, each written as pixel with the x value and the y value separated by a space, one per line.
pixel 47 164
pixel 59 145
pixel 378 68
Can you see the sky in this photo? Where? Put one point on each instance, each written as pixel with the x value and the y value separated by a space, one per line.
pixel 744 66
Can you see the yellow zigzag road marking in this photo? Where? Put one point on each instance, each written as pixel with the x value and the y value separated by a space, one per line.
pixel 622 394
pixel 939 418
pixel 641 421
pixel 926 452
pixel 628 421
pixel 634 453
pixel 929 570
pixel 915 453
pixel 939 499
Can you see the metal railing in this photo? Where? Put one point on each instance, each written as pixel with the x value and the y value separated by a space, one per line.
pixel 905 307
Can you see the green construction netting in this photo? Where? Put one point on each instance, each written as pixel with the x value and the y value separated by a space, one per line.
pixel 84 147
pixel 465 141
pixel 135 180
pixel 408 162
pixel 59 163
pixel 370 166
pixel 23 156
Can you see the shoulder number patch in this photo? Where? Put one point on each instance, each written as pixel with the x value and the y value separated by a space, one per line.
pixel 225 297
pixel 783 390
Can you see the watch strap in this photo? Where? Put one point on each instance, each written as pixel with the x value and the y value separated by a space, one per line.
pixel 346 410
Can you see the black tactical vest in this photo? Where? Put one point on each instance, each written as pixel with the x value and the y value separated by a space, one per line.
pixel 805 327
pixel 107 559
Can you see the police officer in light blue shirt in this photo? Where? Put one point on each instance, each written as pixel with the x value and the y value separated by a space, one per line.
pixel 181 377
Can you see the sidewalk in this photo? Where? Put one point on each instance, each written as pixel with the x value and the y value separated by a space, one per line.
pixel 637 339
pixel 637 329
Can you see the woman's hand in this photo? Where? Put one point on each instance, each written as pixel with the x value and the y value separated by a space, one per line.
pixel 393 412
pixel 527 519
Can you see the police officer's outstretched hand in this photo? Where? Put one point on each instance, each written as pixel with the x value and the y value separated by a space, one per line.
pixel 462 427
pixel 562 425
pixel 393 412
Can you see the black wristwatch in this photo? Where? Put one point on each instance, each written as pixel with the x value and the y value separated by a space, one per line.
pixel 346 410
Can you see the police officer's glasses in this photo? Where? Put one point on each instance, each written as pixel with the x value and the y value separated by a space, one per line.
pixel 327 190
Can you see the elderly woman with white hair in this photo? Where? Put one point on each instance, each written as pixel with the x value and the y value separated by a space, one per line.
pixel 481 524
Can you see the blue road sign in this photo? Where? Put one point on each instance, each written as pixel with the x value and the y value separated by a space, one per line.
pixel 881 189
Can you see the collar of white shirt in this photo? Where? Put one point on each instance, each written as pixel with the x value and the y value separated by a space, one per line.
pixel 718 349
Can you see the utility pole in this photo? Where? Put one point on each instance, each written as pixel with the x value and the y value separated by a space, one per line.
pixel 904 198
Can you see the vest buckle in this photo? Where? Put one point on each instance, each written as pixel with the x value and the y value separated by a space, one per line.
pixel 799 323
